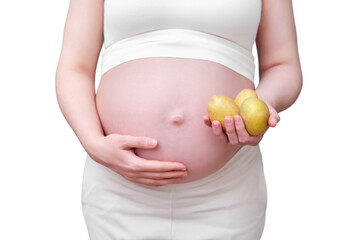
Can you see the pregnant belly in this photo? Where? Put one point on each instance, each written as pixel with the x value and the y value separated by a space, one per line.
pixel 166 98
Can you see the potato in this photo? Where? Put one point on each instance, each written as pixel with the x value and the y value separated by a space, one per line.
pixel 244 94
pixel 220 106
pixel 255 114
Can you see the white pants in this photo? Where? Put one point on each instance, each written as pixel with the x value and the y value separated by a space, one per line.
pixel 228 204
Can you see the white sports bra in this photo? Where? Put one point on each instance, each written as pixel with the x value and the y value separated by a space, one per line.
pixel 221 31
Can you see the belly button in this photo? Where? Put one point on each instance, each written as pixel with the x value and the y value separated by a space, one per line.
pixel 177 119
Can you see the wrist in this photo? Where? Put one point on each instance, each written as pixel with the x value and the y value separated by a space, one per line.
pixel 93 144
pixel 269 101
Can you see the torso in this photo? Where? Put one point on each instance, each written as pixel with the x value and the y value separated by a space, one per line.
pixel 165 98
pixel 165 94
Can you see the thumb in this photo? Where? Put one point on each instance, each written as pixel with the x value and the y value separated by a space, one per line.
pixel 139 142
pixel 273 120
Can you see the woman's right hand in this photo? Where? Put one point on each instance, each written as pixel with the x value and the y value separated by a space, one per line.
pixel 116 152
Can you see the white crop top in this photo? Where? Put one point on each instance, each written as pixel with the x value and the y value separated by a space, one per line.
pixel 221 31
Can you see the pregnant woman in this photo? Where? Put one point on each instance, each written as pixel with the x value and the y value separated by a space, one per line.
pixel 157 167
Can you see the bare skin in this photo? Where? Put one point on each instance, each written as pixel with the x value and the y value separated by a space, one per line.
pixel 83 37
pixel 134 99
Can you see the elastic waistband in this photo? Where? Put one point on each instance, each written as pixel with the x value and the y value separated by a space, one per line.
pixel 182 43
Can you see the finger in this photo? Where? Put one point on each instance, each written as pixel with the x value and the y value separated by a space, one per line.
pixel 207 120
pixel 155 183
pixel 274 116
pixel 230 130
pixel 138 142
pixel 242 134
pixel 244 137
pixel 162 175
pixel 216 128
pixel 273 119
pixel 255 140
pixel 145 165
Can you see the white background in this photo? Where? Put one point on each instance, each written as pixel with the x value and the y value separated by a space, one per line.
pixel 311 158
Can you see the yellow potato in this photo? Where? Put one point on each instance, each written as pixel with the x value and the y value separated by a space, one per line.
pixel 244 94
pixel 255 114
pixel 220 106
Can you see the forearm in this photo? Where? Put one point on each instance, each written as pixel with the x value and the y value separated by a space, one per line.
pixel 280 85
pixel 76 97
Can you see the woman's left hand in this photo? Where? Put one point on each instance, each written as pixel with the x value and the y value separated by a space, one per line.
pixel 236 131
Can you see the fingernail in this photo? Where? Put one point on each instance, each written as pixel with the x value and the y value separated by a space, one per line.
pixel 152 142
pixel 184 174
pixel 227 120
